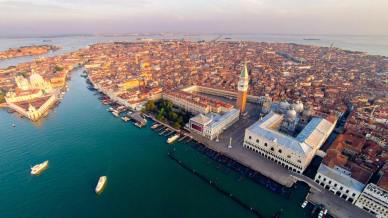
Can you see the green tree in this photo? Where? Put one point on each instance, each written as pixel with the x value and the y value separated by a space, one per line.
pixel 160 115
pixel 172 116
pixel 167 105
pixel 180 120
pixel 176 125
pixel 150 106
pixel 58 68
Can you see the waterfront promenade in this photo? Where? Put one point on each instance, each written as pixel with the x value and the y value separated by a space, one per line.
pixel 336 206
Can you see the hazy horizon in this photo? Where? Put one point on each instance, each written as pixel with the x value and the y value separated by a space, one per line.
pixel 299 17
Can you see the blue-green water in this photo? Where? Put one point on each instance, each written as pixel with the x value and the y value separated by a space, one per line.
pixel 83 141
pixel 375 45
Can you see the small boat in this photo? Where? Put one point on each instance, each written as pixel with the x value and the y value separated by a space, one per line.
pixel 101 184
pixel 320 215
pixel 13 125
pixel 39 168
pixel 304 204
pixel 140 125
pixel 154 126
pixel 125 119
pixel 172 139
pixel 115 113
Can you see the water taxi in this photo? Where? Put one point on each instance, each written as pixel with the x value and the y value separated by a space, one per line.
pixel 37 169
pixel 101 184
pixel 172 139
pixel 154 126
pixel 304 204
pixel 140 125
pixel 115 113
pixel 125 119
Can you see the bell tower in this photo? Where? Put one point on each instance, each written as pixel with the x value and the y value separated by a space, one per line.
pixel 242 88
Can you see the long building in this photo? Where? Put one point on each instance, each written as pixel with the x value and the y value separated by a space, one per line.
pixel 294 153
pixel 196 104
pixel 211 125
pixel 374 199
pixel 349 165
pixel 339 181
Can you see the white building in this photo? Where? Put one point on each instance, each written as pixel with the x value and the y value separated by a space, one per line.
pixel 32 112
pixel 374 199
pixel 296 153
pixel 17 96
pixel 339 181
pixel 212 125
pixel 36 81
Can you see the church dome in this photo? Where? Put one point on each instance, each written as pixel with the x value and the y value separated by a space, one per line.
pixel 291 114
pixel 307 112
pixel 284 105
pixel 36 78
pixel 298 106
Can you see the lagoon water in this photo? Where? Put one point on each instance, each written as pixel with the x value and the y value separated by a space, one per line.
pixel 83 141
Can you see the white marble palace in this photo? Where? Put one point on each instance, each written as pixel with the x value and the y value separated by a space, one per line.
pixel 295 153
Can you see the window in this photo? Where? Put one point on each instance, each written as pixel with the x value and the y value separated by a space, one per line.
pixel 280 150
pixel 250 137
pixel 347 191
pixel 354 194
pixel 257 141
pixel 272 149
pixel 299 161
pixel 319 176
pixel 335 185
pixel 265 144
pixel 289 156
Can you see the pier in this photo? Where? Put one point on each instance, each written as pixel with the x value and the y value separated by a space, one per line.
pixel 136 116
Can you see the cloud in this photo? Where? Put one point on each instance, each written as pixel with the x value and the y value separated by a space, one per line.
pixel 253 16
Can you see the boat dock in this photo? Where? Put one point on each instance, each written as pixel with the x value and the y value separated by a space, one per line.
pixel 182 138
pixel 169 133
pixel 164 131
pixel 136 116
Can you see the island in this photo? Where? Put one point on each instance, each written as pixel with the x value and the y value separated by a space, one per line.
pixel 27 51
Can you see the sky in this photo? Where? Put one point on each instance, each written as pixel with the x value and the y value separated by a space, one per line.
pixel 332 17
